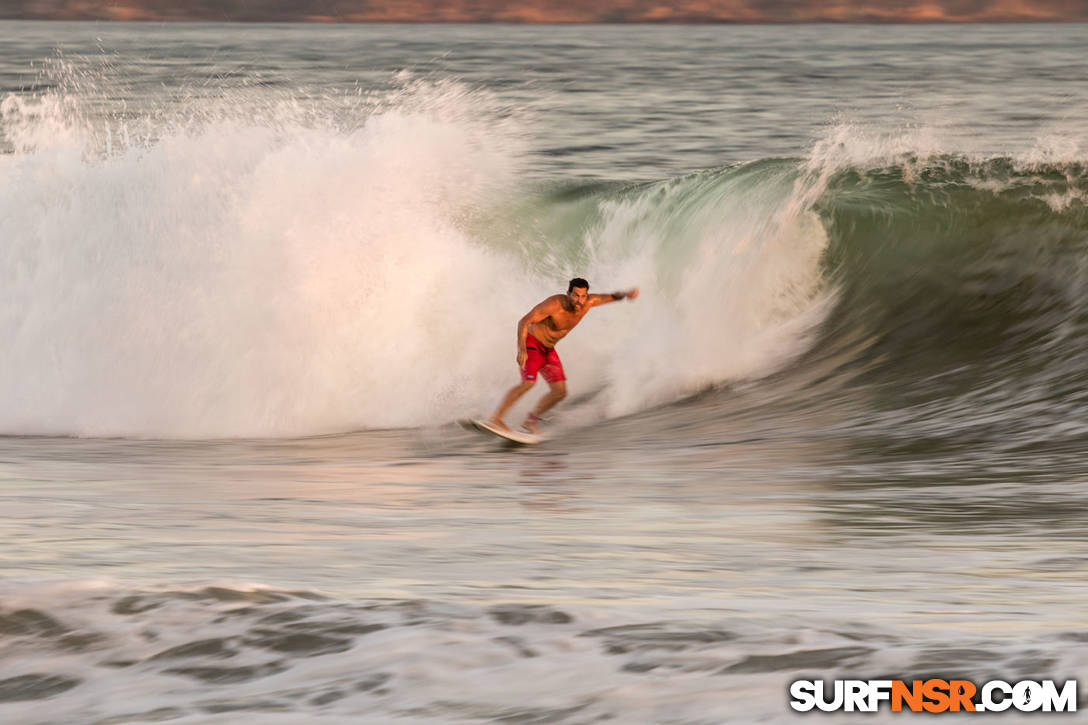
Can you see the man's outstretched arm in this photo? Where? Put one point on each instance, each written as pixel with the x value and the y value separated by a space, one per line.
pixel 630 294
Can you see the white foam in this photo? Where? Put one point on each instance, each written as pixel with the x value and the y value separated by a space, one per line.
pixel 253 277
pixel 732 286
pixel 458 662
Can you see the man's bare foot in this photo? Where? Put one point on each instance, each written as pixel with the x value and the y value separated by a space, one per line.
pixel 530 424
pixel 497 423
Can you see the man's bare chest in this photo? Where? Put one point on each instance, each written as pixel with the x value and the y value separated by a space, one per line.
pixel 564 321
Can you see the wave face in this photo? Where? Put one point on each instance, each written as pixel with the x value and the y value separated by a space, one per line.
pixel 274 269
pixel 962 296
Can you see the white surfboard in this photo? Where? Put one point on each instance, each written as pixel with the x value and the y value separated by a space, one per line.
pixel 517 436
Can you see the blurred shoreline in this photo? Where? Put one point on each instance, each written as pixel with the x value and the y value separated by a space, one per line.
pixel 553 11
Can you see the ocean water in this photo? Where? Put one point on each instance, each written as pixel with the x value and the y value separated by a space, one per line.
pixel 252 275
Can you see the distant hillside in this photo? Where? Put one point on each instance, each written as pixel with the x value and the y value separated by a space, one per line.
pixel 553 11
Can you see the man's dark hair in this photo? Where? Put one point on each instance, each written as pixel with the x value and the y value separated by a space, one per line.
pixel 579 283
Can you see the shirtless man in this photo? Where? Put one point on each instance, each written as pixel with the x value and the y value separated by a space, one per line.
pixel 546 324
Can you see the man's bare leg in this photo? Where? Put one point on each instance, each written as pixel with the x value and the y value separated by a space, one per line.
pixel 556 392
pixel 512 396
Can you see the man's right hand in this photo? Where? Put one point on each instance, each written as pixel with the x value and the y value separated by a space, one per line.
pixel 523 355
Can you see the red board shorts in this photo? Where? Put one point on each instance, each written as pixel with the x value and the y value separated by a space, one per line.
pixel 544 360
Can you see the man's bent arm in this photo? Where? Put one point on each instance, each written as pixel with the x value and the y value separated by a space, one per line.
pixel 538 314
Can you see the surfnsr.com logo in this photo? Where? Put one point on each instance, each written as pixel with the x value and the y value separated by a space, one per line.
pixel 933 695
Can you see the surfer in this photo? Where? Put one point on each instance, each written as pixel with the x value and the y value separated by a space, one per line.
pixel 544 325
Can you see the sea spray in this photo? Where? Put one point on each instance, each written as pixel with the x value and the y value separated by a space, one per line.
pixel 735 284
pixel 237 278
pixel 274 273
